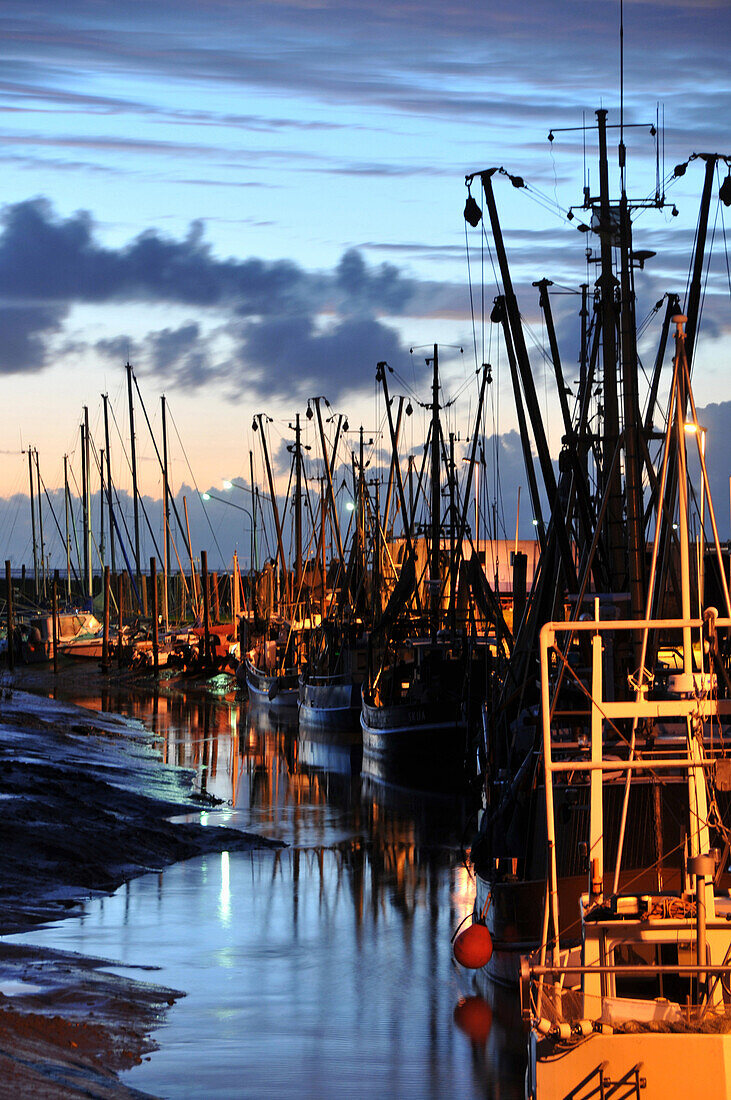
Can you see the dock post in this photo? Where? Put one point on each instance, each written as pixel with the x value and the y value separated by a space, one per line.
pixel 9 608
pixel 155 625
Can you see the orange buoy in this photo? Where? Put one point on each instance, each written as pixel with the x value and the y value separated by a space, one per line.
pixel 473 1016
pixel 473 947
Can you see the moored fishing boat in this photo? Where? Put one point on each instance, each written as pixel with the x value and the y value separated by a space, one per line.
pixel 618 477
pixel 639 1003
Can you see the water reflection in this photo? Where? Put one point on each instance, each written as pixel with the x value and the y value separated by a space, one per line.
pixel 316 970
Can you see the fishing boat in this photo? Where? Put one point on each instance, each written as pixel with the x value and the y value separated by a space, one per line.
pixel 424 667
pixel 639 1003
pixel 77 632
pixel 271 676
pixel 618 476
pixel 329 702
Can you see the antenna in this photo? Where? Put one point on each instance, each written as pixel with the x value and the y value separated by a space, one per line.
pixel 622 155
pixel 621 70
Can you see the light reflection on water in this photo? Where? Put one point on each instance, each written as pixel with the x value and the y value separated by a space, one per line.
pixel 320 970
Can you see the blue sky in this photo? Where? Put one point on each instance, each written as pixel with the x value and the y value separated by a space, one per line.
pixel 258 201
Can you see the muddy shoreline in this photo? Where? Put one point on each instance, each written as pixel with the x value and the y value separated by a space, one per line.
pixel 84 807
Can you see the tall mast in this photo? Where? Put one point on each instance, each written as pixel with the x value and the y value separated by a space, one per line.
pixel 105 400
pixel 68 533
pixel 297 507
pixel 133 458
pixel 84 508
pixel 435 497
pixel 166 505
pixel 275 509
pixel 33 521
pixel 40 527
pixel 101 510
pixel 87 492
pixel 633 478
pixel 254 556
pixel 607 283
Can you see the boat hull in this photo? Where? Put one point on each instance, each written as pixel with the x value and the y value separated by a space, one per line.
pixel 653 1066
pixel 414 745
pixel 277 691
pixel 329 704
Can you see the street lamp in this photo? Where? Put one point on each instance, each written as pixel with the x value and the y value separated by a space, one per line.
pixel 239 508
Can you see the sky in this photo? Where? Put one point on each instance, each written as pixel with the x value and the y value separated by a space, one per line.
pixel 254 203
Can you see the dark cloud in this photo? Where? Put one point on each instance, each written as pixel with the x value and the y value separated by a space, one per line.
pixel 270 311
pixel 292 357
pixel 25 330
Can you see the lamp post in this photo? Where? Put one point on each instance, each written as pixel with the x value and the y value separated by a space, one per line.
pixel 222 500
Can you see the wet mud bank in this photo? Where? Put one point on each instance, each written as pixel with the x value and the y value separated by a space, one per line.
pixel 84 807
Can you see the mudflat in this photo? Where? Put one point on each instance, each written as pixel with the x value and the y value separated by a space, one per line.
pixel 84 806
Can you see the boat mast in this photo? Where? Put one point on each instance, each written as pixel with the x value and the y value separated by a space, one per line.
pixel 166 506
pixel 68 534
pixel 434 580
pixel 133 458
pixel 87 491
pixel 607 285
pixel 254 556
pixel 84 505
pixel 33 521
pixel 105 400
pixel 102 547
pixel 40 526
pixel 297 507
pixel 259 426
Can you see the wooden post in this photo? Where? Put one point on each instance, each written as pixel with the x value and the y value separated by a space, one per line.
pixel 9 606
pixel 155 633
pixel 54 615
pixel 206 608
pixel 105 642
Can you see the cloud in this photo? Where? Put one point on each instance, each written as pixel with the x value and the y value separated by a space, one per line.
pixel 25 330
pixel 287 330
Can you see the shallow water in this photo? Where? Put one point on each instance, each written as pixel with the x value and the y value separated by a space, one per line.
pixel 323 969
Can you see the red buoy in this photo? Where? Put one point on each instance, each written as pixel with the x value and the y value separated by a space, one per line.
pixel 473 947
pixel 473 1016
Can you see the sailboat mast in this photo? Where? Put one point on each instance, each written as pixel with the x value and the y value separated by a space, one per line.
pixel 40 526
pixel 272 493
pixel 87 492
pixel 102 548
pixel 33 521
pixel 133 460
pixel 68 533
pixel 105 400
pixel 435 497
pixel 166 505
pixel 297 507
pixel 254 555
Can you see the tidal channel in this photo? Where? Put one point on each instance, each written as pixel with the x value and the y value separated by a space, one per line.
pixel 321 969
